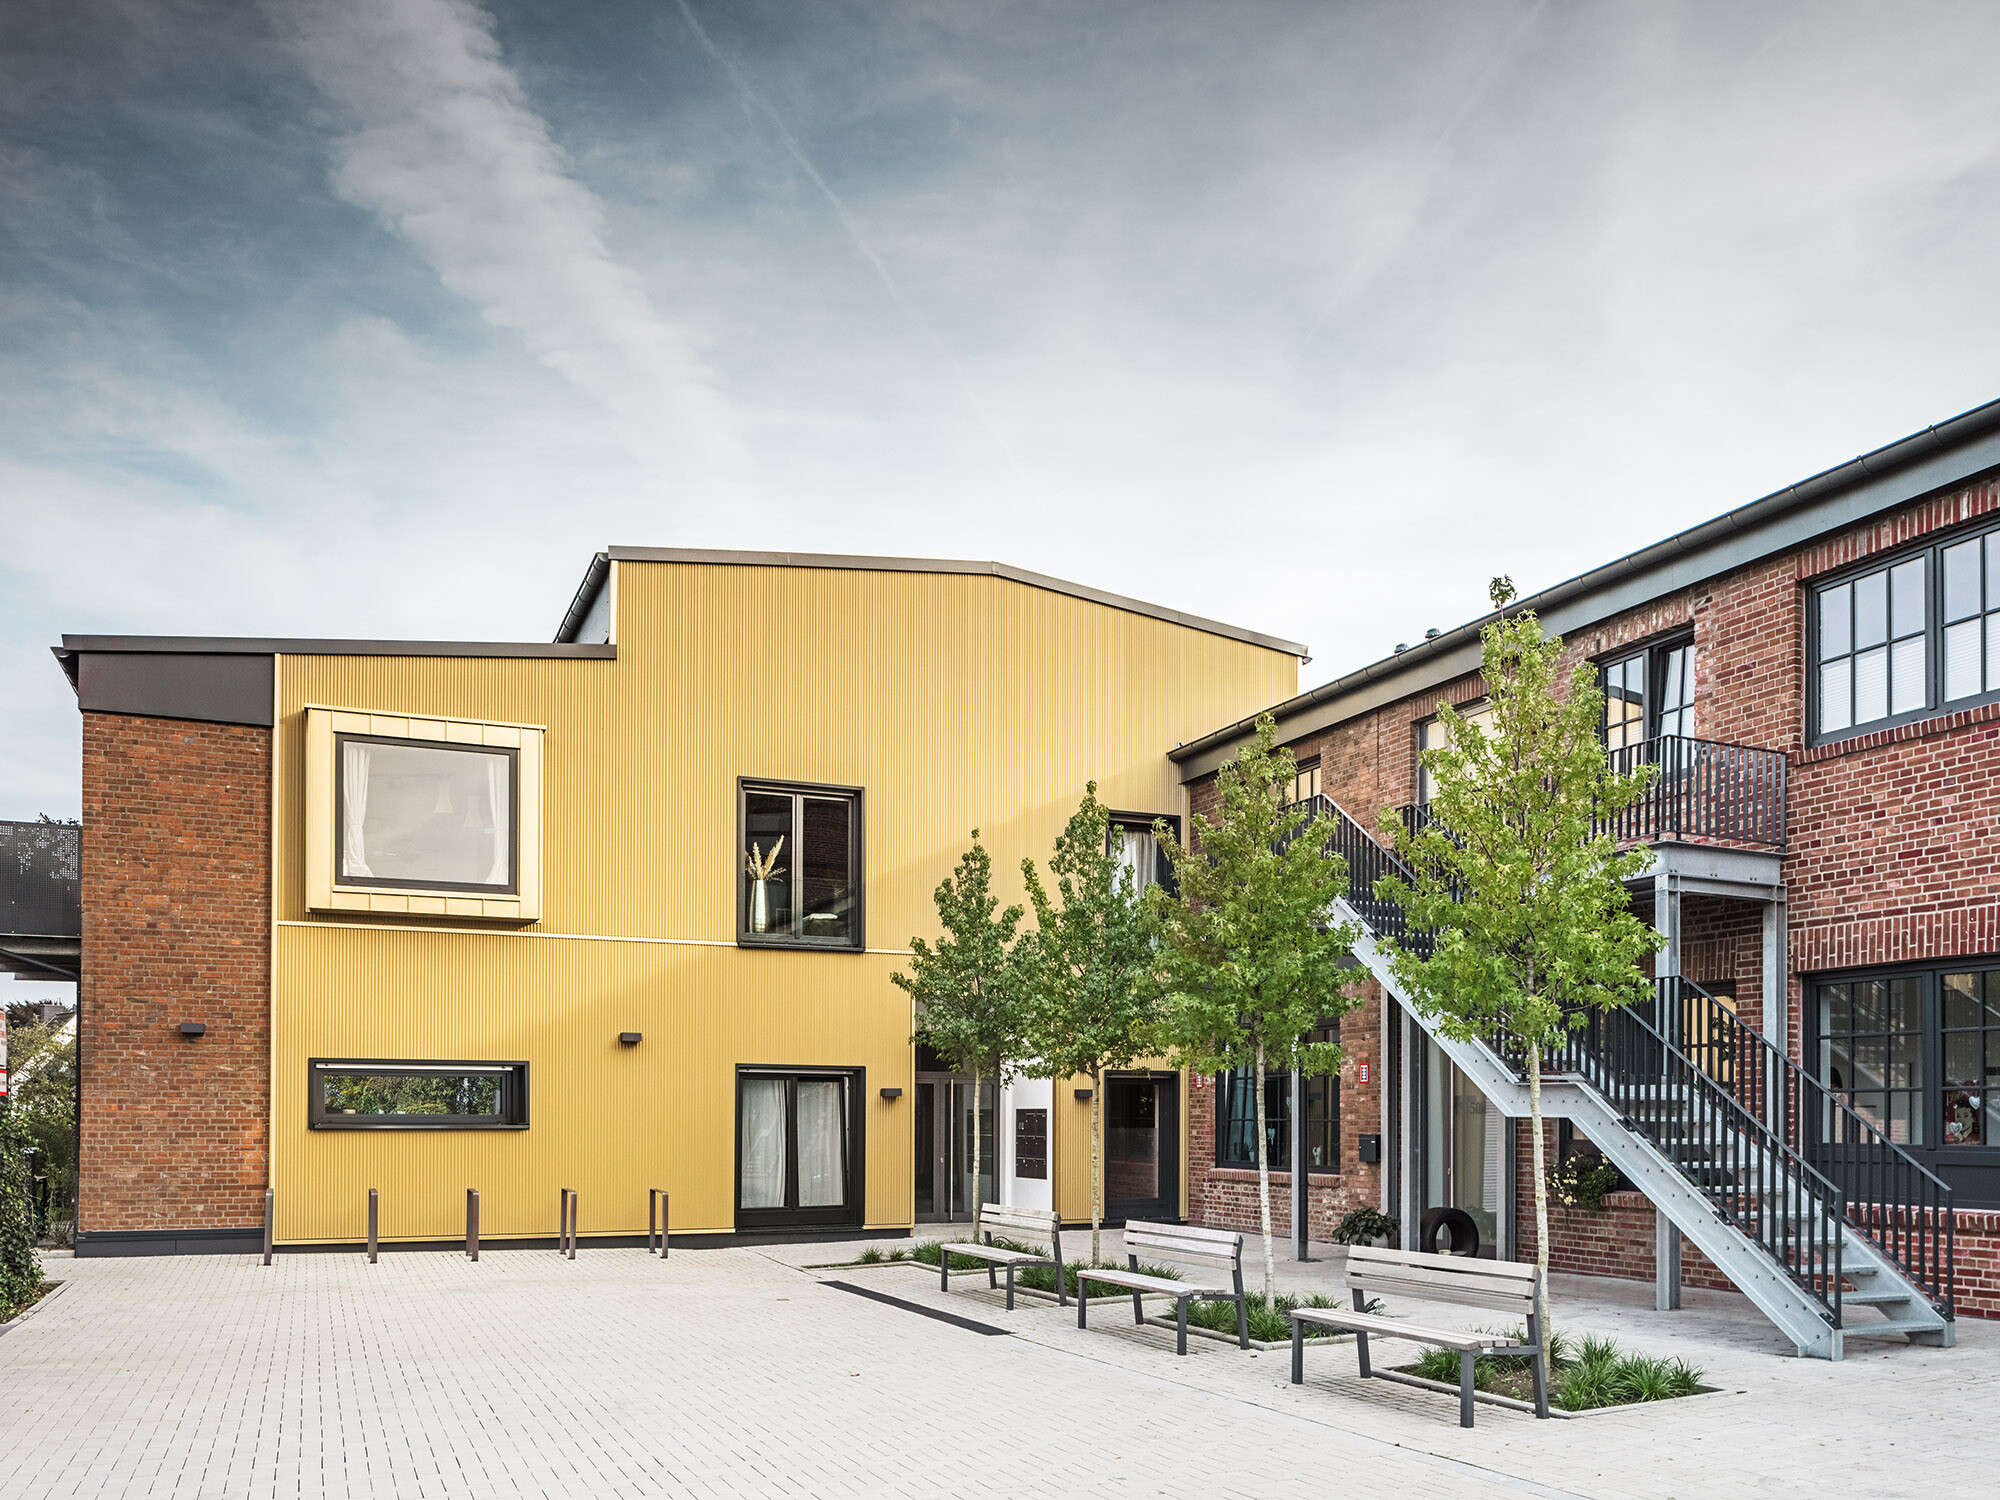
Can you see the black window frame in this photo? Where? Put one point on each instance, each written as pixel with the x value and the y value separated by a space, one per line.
pixel 1419 773
pixel 342 879
pixel 514 1094
pixel 850 1215
pixel 795 940
pixel 1973 1171
pixel 1163 867
pixel 1655 652
pixel 1277 1111
pixel 1931 549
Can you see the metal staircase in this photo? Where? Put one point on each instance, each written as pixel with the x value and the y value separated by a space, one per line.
pixel 1802 1203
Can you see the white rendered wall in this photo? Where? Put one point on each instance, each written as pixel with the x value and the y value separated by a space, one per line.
pixel 1021 1192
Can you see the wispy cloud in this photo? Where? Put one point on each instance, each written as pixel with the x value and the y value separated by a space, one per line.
pixel 441 143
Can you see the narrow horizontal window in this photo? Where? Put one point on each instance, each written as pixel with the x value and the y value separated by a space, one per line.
pixel 346 1094
pixel 415 814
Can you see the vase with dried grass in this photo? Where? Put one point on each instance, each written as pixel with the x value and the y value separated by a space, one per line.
pixel 761 868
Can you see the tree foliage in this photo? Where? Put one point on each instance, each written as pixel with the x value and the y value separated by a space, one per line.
pixel 20 1269
pixel 1250 961
pixel 1090 1003
pixel 1516 876
pixel 42 1067
pixel 966 989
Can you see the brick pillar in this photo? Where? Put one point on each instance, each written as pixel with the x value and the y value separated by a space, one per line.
pixel 176 928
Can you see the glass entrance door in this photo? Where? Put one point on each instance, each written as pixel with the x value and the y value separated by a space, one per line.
pixel 1142 1148
pixel 945 1190
pixel 1463 1140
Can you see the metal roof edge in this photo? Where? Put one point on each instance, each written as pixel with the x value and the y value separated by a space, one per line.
pixel 1440 659
pixel 865 564
pixel 586 592
pixel 205 645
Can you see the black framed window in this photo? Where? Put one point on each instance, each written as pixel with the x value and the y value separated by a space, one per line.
pixel 800 865
pixel 1648 693
pixel 1138 849
pixel 1904 636
pixel 391 1094
pixel 1916 1051
pixel 798 1147
pixel 1236 1117
pixel 1431 736
pixel 1305 780
pixel 426 814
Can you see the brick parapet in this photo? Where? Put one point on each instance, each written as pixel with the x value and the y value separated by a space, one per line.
pixel 176 928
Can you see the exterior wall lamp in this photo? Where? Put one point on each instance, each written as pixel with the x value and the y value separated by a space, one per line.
pixel 1083 1096
pixel 892 1093
pixel 192 1029
pixel 629 1038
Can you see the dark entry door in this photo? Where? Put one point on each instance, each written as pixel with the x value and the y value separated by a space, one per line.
pixel 945 1192
pixel 1142 1147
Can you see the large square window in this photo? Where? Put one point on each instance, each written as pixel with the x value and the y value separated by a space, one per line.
pixel 412 815
pixel 800 865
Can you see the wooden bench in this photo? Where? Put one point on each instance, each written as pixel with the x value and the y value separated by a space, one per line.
pixel 1500 1285
pixel 1026 1224
pixel 1175 1242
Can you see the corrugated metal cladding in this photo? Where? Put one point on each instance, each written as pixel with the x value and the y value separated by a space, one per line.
pixel 954 701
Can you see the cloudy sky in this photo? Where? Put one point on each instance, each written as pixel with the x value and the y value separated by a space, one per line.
pixel 379 317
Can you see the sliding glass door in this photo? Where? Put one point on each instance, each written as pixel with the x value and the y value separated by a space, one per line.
pixel 798 1149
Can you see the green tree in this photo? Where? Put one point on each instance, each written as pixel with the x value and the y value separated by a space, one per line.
pixel 1085 968
pixel 1249 958
pixel 1522 890
pixel 42 1066
pixel 20 1270
pixel 967 990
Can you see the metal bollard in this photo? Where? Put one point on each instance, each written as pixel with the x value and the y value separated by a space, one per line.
pixel 472 1223
pixel 572 1223
pixel 372 1222
pixel 565 1224
pixel 270 1213
pixel 663 1224
pixel 652 1221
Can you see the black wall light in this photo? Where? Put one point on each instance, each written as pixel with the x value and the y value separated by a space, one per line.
pixel 628 1038
pixel 892 1093
pixel 1083 1095
pixel 192 1029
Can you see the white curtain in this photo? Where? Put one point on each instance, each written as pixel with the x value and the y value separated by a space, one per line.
pixel 763 1144
pixel 498 800
pixel 1138 852
pixel 822 1139
pixel 355 759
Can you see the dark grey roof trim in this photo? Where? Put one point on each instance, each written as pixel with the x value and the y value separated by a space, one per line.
pixel 941 565
pixel 273 646
pixel 586 592
pixel 74 647
pixel 1939 457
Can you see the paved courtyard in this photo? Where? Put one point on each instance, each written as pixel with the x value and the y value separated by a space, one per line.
pixel 741 1372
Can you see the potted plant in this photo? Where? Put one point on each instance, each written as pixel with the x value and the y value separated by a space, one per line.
pixel 761 867
pixel 1365 1226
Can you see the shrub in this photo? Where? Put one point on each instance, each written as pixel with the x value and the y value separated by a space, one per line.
pixel 1269 1323
pixel 1582 1180
pixel 20 1270
pixel 1363 1225
pixel 872 1256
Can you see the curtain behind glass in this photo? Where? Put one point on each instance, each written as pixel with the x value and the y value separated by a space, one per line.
pixel 1137 851
pixel 355 759
pixel 822 1143
pixel 763 1144
pixel 497 767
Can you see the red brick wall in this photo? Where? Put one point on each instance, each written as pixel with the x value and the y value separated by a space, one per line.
pixel 176 927
pixel 1890 857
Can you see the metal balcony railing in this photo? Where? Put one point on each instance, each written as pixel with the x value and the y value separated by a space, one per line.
pixel 1705 790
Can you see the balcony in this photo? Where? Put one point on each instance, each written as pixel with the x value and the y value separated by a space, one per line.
pixel 1706 792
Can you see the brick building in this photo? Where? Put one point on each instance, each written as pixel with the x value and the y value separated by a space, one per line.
pixel 1817 674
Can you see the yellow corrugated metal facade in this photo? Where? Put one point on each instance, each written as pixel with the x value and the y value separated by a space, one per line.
pixel 952 700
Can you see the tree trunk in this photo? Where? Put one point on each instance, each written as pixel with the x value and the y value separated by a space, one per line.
pixel 1541 1191
pixel 1096 1174
pixel 976 1102
pixel 1264 1181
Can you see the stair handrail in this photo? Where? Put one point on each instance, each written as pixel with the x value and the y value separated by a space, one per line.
pixel 1894 1201
pixel 1638 1072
